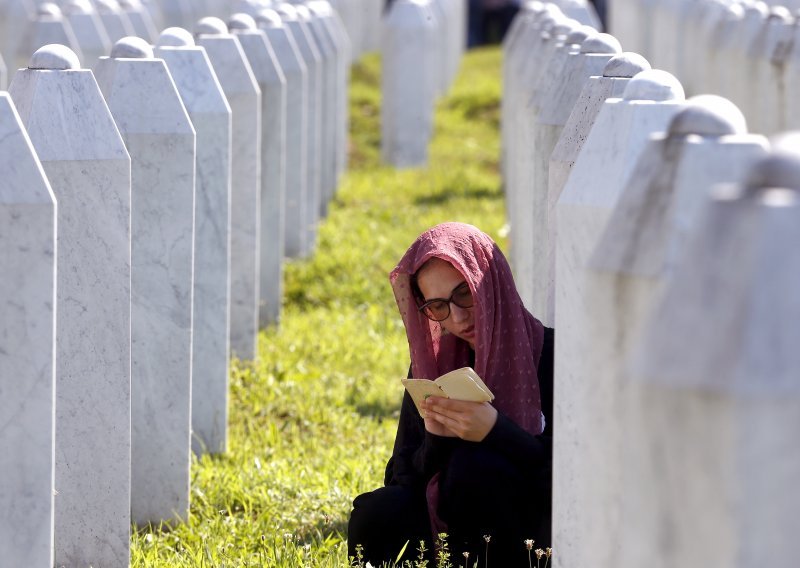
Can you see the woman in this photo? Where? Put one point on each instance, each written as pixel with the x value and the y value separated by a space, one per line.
pixel 475 471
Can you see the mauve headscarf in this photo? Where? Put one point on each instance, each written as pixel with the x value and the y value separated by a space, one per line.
pixel 508 339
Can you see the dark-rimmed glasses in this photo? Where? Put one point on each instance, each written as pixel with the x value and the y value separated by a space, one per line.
pixel 438 309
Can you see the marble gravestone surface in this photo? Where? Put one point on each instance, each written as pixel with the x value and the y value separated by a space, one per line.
pixel 558 99
pixel 792 74
pixel 735 86
pixel 769 84
pixel 89 31
pixel 27 341
pixel 337 31
pixel 49 26
pixel 526 63
pixel 295 74
pixel 180 13
pixel 564 38
pixel 307 223
pixel 267 72
pixel 140 19
pixel 160 139
pixel 89 169
pixel 407 85
pixel 15 17
pixel 717 456
pixel 611 84
pixel 244 97
pixel 720 37
pixel 598 176
pixel 329 69
pixel 116 22
pixel 706 143
pixel 3 74
pixel 371 30
pixel 210 114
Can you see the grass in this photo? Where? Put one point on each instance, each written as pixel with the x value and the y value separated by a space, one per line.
pixel 313 418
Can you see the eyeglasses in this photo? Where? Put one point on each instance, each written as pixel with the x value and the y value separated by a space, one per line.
pixel 438 309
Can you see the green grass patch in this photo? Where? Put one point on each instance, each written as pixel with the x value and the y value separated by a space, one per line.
pixel 313 419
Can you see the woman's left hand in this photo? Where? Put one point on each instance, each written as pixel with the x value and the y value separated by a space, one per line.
pixel 470 421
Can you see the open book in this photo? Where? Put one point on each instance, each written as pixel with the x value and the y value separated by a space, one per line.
pixel 461 384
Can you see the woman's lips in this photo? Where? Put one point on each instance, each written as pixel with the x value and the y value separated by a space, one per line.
pixel 469 332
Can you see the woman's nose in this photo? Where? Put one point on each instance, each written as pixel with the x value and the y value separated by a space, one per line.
pixel 458 314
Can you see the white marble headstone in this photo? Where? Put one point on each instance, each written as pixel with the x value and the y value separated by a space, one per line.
pixel 89 170
pixel 15 18
pixel 769 78
pixel 297 107
pixel 335 27
pixel 720 37
pixel 244 97
pixel 140 19
pixel 716 375
pixel 210 114
pixel 312 58
pixel 267 71
pixel 706 144
pixel 735 85
pixel 3 74
pixel 48 26
pixel 89 31
pixel 407 85
pixel 792 104
pixel 598 176
pixel 27 348
pixel 558 98
pixel 330 68
pixel 116 22
pixel 160 139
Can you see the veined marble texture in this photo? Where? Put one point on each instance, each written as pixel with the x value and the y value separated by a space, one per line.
pixel 715 380
pixel 27 348
pixel 44 30
pixel 211 117
pixel 309 219
pixel 340 38
pixel 525 199
pixel 558 99
pixel 90 33
pixel 598 176
pixel 244 97
pixel 90 173
pixel 634 256
pixel 330 68
pixel 407 85
pixel 161 142
pixel 295 73
pixel 268 74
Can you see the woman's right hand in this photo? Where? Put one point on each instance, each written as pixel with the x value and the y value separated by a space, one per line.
pixel 434 426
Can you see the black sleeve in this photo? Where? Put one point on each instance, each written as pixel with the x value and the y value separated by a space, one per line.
pixel 417 453
pixel 530 453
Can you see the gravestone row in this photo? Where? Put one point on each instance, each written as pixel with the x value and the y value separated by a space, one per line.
pixel 659 238
pixel 748 52
pixel 143 241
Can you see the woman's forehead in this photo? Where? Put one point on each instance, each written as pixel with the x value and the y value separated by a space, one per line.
pixel 438 277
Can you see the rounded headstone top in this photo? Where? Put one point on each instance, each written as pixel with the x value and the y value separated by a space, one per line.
pixel 78 7
pixel 242 22
pixel 562 28
pixel 132 47
pixel 320 8
pixel 269 18
pixel 601 43
pixel 175 37
pixel 625 65
pixel 653 85
pixel 210 25
pixel 578 35
pixel 708 115
pixel 55 57
pixel 130 4
pixel 780 14
pixel 48 10
pixel 778 169
pixel 756 11
pixel 303 12
pixel 286 11
pixel 107 6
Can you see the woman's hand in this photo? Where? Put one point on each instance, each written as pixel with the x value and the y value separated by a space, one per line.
pixel 470 421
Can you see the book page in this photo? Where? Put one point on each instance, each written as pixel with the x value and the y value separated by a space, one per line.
pixel 461 384
pixel 420 389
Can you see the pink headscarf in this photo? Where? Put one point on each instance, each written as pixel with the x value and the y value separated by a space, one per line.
pixel 508 339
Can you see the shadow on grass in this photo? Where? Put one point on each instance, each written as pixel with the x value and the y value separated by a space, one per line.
pixel 446 196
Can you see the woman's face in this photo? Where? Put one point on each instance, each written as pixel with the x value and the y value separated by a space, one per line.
pixel 438 279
